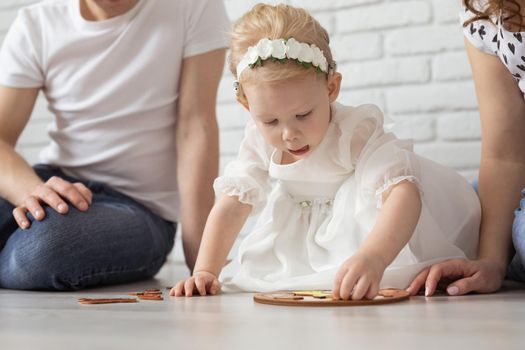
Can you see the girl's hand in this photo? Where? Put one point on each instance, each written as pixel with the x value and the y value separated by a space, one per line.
pixel 482 276
pixel 202 282
pixel 358 277
pixel 54 193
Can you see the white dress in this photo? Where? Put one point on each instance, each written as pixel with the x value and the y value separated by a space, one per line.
pixel 322 207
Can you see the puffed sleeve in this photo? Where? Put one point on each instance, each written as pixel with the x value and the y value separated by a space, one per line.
pixel 380 159
pixel 482 34
pixel 247 176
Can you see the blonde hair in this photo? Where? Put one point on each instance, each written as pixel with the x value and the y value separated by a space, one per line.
pixel 275 22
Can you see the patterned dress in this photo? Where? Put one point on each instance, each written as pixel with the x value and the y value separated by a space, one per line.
pixel 494 39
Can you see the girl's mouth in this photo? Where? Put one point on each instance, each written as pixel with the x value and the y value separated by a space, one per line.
pixel 300 151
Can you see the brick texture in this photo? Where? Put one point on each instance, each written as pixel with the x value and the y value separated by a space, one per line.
pixel 406 56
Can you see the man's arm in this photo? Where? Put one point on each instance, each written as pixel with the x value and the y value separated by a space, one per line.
pixel 16 176
pixel 19 184
pixel 197 145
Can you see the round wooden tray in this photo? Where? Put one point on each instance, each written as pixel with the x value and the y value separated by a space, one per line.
pixel 323 298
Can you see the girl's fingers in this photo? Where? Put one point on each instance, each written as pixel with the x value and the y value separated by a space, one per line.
pixel 178 290
pixel 200 284
pixel 19 213
pixel 188 286
pixel 215 287
pixel 347 285
pixel 372 291
pixel 336 289
pixel 361 288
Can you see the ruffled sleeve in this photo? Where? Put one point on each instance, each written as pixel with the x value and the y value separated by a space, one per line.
pixel 482 34
pixel 380 159
pixel 247 176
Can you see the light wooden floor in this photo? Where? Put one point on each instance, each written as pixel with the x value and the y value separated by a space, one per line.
pixel 42 320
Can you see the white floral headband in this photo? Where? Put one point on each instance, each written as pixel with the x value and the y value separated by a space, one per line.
pixel 307 55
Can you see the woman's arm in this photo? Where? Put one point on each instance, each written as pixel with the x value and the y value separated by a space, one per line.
pixel 361 274
pixel 501 178
pixel 502 168
pixel 226 219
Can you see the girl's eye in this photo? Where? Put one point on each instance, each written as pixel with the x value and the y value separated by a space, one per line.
pixel 302 116
pixel 271 122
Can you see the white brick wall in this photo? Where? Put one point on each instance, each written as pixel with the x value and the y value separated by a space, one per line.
pixel 407 56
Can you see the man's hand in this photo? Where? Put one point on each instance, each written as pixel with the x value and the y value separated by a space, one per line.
pixel 482 276
pixel 54 193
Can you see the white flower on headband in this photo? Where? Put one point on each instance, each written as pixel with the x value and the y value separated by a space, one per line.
pixel 264 48
pixel 318 59
pixel 293 47
pixel 280 49
pixel 306 54
pixel 252 55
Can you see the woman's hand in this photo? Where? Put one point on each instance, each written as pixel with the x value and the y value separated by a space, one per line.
pixel 482 276
pixel 54 193
pixel 358 278
pixel 202 282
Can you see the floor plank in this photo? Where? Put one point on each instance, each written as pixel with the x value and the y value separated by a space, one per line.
pixel 45 320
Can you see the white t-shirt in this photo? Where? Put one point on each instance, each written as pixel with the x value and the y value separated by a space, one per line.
pixel 112 86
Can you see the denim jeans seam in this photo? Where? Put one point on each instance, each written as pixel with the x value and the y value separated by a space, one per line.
pixel 111 271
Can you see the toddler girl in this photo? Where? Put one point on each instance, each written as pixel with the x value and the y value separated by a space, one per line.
pixel 343 205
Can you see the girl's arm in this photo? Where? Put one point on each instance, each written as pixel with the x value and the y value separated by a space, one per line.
pixel 224 223
pixel 361 274
pixel 222 228
pixel 501 178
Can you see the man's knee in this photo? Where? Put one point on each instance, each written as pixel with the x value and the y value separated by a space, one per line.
pixel 80 249
pixel 39 257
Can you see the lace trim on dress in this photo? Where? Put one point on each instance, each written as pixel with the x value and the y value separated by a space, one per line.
pixel 247 191
pixel 392 182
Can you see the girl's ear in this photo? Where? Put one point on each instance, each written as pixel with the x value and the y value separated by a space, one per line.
pixel 334 86
pixel 244 103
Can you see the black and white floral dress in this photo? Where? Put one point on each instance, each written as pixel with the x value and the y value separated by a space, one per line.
pixel 495 40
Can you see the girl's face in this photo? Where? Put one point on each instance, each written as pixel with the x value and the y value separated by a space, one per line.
pixel 293 115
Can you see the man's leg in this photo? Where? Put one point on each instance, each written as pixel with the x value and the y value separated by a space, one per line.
pixel 116 241
pixel 7 222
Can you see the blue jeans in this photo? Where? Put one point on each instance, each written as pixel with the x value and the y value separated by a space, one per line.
pixel 516 270
pixel 116 241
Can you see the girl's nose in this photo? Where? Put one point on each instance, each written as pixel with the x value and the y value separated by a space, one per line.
pixel 290 134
